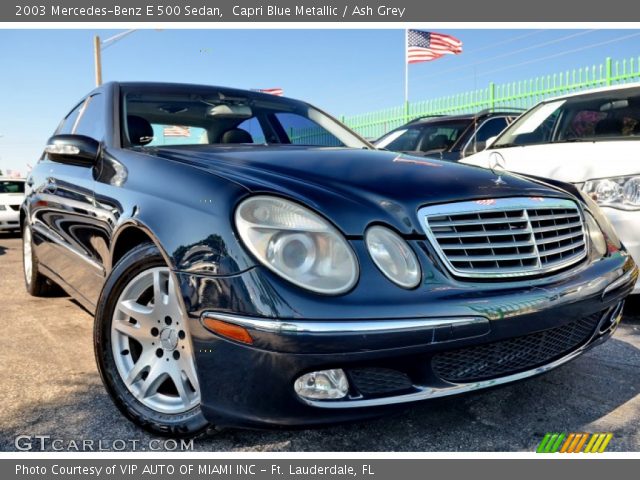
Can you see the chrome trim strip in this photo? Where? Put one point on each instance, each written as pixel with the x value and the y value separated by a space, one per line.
pixel 425 393
pixel 501 205
pixel 293 327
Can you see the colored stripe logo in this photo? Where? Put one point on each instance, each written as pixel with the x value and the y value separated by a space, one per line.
pixel 574 443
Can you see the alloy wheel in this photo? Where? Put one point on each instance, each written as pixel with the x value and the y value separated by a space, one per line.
pixel 152 346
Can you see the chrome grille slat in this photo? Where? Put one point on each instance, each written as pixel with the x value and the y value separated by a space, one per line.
pixel 553 228
pixel 494 245
pixel 559 238
pixel 555 251
pixel 506 237
pixel 494 233
pixel 459 258
pixel 490 221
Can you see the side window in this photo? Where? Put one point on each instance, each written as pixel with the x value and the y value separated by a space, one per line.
pixel 491 128
pixel 303 131
pixel 252 125
pixel 69 122
pixel 91 119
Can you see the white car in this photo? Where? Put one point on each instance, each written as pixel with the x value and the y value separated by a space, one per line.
pixel 11 196
pixel 590 139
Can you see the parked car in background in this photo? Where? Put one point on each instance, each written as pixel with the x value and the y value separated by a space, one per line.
pixel 450 137
pixel 11 197
pixel 590 139
pixel 252 262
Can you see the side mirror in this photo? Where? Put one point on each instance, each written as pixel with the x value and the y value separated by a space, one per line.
pixel 73 149
pixel 490 141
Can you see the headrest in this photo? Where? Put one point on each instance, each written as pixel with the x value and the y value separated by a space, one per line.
pixel 236 135
pixel 609 126
pixel 140 130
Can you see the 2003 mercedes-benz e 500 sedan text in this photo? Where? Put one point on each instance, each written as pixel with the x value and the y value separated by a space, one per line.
pixel 252 262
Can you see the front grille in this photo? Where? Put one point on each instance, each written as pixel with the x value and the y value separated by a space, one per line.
pixel 514 355
pixel 506 237
pixel 379 381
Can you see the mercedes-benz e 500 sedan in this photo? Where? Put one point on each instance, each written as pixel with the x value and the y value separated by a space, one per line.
pixel 252 262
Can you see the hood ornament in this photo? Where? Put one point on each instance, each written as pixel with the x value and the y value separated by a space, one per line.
pixel 497 164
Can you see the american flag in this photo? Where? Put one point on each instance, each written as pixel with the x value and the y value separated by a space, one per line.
pixel 427 46
pixel 176 131
pixel 273 91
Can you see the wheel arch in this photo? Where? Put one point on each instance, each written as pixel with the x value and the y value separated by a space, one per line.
pixel 131 234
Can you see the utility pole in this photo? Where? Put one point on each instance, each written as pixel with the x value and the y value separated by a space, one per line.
pixel 99 46
pixel 97 59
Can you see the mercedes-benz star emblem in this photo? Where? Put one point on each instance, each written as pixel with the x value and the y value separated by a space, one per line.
pixel 497 164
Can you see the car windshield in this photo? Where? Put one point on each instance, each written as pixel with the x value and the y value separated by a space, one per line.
pixel 11 186
pixel 424 137
pixel 160 117
pixel 611 115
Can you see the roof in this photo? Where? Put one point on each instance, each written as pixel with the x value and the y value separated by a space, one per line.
pixel 468 116
pixel 168 86
pixel 613 88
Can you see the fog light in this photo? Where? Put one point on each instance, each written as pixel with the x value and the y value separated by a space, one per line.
pixel 323 385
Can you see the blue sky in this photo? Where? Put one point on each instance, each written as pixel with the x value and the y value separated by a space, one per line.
pixel 44 72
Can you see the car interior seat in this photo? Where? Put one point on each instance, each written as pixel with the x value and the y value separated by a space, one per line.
pixel 609 126
pixel 236 135
pixel 140 130
pixel 438 142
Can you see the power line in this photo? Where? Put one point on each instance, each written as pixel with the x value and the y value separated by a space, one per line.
pixel 560 54
pixel 506 42
pixel 508 54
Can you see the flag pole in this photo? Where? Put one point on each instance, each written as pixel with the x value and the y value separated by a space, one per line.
pixel 406 66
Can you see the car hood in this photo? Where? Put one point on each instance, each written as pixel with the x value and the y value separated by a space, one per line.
pixel 11 198
pixel 568 162
pixel 354 188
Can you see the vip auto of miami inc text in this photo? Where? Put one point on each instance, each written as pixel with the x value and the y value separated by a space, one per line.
pixel 191 469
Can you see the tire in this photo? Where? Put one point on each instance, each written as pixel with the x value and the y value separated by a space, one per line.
pixel 36 284
pixel 143 348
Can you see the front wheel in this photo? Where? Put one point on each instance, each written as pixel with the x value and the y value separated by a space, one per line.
pixel 143 347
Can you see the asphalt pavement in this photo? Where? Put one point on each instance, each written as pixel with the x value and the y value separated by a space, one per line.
pixel 50 387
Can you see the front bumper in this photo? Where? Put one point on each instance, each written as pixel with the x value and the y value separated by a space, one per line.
pixel 389 358
pixel 9 219
pixel 627 226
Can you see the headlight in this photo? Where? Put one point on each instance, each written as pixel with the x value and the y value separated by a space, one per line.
pixel 297 244
pixel 616 192
pixel 393 256
pixel 2 207
pixel 596 237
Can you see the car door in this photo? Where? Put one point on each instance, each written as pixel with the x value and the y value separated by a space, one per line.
pixel 63 211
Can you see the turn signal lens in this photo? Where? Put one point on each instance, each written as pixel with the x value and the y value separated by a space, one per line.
pixel 228 330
